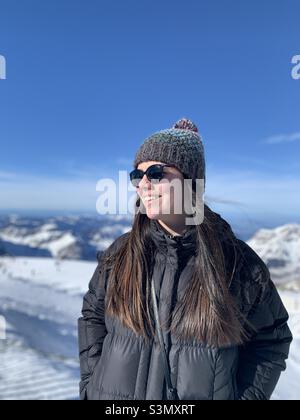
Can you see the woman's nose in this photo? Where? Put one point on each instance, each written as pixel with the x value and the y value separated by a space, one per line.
pixel 144 182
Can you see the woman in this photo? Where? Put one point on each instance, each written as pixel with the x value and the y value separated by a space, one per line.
pixel 224 327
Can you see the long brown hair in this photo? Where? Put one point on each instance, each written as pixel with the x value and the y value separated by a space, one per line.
pixel 207 312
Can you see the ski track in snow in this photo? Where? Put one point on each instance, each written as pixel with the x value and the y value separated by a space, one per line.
pixel 27 374
pixel 41 300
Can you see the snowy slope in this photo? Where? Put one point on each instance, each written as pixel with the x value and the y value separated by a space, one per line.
pixel 288 387
pixel 28 375
pixel 59 275
pixel 41 300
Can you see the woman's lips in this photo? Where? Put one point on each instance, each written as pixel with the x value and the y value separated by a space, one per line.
pixel 149 198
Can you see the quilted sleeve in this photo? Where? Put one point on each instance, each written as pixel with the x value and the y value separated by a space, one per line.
pixel 263 358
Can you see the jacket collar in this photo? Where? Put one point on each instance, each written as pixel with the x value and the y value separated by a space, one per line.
pixel 184 244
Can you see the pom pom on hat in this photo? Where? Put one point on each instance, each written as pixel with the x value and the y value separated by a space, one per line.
pixel 186 124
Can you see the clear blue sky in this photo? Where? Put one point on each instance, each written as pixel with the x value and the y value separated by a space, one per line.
pixel 87 81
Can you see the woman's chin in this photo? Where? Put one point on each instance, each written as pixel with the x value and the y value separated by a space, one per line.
pixel 152 214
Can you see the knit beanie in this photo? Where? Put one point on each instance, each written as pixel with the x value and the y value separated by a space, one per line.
pixel 180 146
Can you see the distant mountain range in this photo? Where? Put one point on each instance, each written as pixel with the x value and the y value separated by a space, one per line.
pixel 280 250
pixel 63 237
pixel 77 237
pixel 81 237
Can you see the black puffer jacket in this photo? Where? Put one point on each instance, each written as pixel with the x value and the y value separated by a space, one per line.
pixel 118 365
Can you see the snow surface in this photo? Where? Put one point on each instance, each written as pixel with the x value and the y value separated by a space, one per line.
pixel 288 387
pixel 41 299
pixel 54 274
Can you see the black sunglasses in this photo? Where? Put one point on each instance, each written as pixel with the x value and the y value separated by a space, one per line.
pixel 154 173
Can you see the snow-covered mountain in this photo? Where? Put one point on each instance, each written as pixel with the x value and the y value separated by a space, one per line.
pixel 280 250
pixel 64 237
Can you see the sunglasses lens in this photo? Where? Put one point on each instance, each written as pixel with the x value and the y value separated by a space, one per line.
pixel 136 177
pixel 155 173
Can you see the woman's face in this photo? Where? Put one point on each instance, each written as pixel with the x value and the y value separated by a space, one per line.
pixel 159 198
